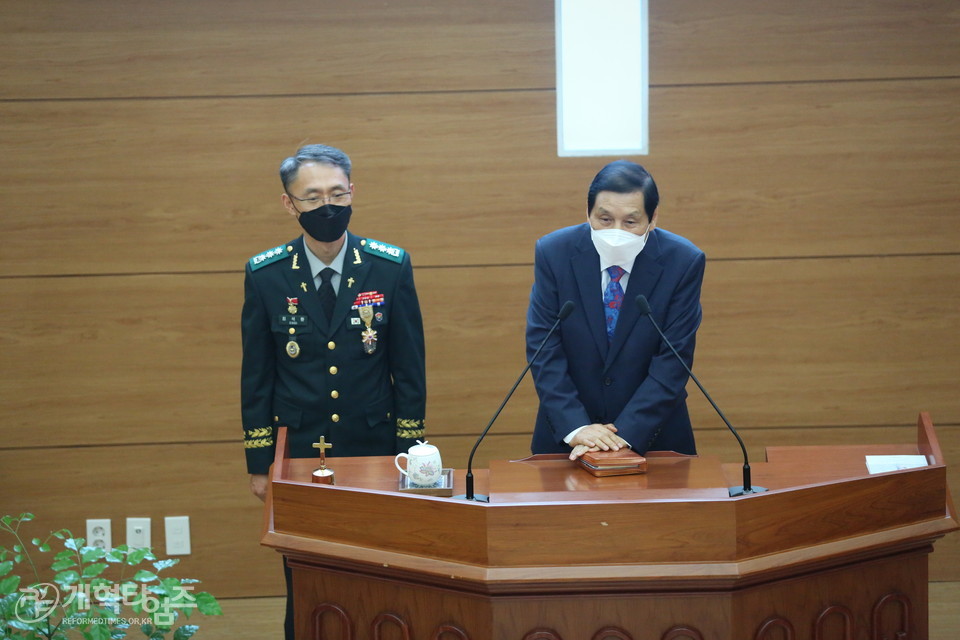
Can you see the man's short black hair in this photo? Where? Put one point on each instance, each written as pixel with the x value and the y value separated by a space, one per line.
pixel 624 176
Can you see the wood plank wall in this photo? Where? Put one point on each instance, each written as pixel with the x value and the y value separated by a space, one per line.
pixel 811 149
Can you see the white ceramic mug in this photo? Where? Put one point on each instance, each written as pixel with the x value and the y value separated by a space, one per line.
pixel 423 464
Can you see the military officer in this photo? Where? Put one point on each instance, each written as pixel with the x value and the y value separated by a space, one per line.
pixel 332 333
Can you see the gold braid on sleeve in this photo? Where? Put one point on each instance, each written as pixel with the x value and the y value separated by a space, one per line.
pixel 409 428
pixel 258 438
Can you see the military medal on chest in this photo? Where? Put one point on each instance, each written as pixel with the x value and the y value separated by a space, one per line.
pixel 293 348
pixel 292 322
pixel 368 335
pixel 364 305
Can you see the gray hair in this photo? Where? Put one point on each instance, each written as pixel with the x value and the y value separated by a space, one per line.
pixel 313 153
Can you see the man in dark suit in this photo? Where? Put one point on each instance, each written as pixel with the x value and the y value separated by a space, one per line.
pixel 605 379
pixel 332 332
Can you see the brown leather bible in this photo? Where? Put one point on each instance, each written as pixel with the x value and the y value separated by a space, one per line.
pixel 613 463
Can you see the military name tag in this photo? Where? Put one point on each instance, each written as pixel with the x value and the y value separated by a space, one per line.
pixel 369 335
pixel 293 349
pixel 292 321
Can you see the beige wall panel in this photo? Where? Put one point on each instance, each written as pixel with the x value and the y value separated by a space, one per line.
pixel 698 41
pixel 139 359
pixel 830 342
pixel 783 343
pixel 207 482
pixel 156 359
pixel 190 185
pixel 142 48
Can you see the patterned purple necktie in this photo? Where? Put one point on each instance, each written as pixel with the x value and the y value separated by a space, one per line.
pixel 613 299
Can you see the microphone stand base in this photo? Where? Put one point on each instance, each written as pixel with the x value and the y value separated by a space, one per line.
pixel 477 497
pixel 738 491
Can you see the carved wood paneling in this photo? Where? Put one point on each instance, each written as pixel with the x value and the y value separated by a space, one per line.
pixel 819 629
pixel 450 630
pixel 891 617
pixel 385 620
pixel 542 634
pixel 612 633
pixel 345 625
pixel 682 633
pixel 768 630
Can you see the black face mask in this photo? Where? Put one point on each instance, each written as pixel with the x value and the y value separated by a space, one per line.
pixel 326 223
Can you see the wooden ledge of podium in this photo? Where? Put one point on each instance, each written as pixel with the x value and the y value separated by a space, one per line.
pixel 549 515
pixel 553 530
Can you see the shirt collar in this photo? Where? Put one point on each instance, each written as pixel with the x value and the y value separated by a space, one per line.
pixel 317 265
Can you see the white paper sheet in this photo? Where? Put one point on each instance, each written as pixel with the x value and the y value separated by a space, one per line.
pixel 882 464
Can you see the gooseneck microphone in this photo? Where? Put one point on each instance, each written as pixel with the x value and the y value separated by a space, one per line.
pixel 565 311
pixel 746 488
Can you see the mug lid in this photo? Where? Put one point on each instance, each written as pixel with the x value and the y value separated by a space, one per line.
pixel 421 448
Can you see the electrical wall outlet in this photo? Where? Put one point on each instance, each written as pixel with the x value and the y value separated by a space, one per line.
pixel 138 532
pixel 98 533
pixel 177 529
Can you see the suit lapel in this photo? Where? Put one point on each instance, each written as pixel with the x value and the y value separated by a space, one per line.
pixel 300 279
pixel 586 270
pixel 643 278
pixel 356 267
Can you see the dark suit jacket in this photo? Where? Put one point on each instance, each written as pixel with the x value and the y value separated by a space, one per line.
pixel 634 382
pixel 365 404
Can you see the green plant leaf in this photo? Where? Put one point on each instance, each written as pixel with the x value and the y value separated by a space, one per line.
pixel 137 556
pixel 26 517
pixel 93 570
pixel 36 542
pixel 92 554
pixel 171 586
pixel 186 631
pixel 66 578
pixel 100 631
pixel 147 630
pixel 116 554
pixel 9 585
pixel 165 564
pixel 144 576
pixel 23 626
pixel 207 604
pixel 63 563
pixel 44 547
pixel 17 548
pixel 6 567
pixel 74 543
pixel 7 520
pixel 18 558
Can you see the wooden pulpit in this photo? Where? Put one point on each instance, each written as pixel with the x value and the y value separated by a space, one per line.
pixel 829 551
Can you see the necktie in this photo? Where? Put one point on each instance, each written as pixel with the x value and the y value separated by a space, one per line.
pixel 328 296
pixel 613 299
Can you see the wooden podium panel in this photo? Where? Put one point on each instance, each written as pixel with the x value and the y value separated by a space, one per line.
pixel 558 553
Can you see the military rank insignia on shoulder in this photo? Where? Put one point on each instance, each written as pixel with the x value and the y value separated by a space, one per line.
pixel 270 256
pixel 383 250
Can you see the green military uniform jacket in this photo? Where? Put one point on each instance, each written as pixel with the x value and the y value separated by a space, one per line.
pixel 315 377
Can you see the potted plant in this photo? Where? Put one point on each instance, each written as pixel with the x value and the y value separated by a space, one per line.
pixel 90 592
